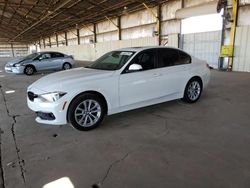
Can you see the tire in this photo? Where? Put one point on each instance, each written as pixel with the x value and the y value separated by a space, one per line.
pixel 66 66
pixel 29 70
pixel 81 116
pixel 193 90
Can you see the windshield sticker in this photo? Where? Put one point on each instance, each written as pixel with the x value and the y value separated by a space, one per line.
pixel 126 53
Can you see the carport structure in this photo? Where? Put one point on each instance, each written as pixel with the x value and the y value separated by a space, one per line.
pixel 41 25
pixel 168 145
pixel 28 20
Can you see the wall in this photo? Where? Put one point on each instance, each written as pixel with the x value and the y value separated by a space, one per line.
pixel 190 3
pixel 137 29
pixel 93 51
pixel 242 49
pixel 205 46
pixel 241 61
pixel 15 50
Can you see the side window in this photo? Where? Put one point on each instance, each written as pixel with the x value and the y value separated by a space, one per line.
pixel 167 57
pixel 184 58
pixel 44 56
pixel 172 57
pixel 146 59
pixel 56 55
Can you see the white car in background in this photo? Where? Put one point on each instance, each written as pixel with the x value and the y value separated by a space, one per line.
pixel 41 61
pixel 120 80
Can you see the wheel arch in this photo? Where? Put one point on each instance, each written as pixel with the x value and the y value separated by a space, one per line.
pixel 198 78
pixel 31 65
pixel 91 92
pixel 66 62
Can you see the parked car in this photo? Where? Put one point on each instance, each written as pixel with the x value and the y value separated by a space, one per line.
pixel 120 80
pixel 41 61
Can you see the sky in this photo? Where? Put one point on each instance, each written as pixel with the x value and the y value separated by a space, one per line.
pixel 211 22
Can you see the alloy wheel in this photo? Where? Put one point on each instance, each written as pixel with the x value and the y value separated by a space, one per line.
pixel 29 71
pixel 66 66
pixel 194 90
pixel 87 113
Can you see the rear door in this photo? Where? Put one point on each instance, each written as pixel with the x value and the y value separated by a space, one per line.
pixel 173 66
pixel 57 60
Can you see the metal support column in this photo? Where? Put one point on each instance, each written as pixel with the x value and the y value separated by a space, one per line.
pixel 95 37
pixel 119 28
pixel 66 38
pixel 118 25
pixel 50 42
pixel 78 36
pixel 57 43
pixel 180 36
pixel 182 4
pixel 44 45
pixel 39 43
pixel 158 20
pixel 235 4
pixel 12 50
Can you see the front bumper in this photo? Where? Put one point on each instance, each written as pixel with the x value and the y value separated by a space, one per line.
pixel 15 70
pixel 58 110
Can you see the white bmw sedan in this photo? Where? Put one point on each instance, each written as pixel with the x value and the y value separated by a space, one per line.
pixel 120 80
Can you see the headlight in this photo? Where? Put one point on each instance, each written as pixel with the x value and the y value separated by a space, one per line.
pixel 52 97
pixel 17 65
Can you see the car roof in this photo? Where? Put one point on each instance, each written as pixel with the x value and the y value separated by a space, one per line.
pixel 49 52
pixel 138 49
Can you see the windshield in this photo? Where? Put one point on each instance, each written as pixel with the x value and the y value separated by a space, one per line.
pixel 112 60
pixel 31 56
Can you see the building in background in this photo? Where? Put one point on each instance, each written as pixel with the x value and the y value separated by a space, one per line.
pixel 194 25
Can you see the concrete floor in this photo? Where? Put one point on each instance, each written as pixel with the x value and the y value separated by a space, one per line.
pixel 173 145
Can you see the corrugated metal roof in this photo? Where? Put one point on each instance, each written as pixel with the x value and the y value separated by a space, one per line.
pixel 26 20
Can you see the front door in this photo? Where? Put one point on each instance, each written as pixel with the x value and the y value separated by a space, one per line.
pixel 139 86
pixel 43 62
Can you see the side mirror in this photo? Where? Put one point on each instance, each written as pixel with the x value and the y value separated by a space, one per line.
pixel 134 67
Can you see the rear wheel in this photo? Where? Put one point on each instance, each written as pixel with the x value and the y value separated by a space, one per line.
pixel 193 90
pixel 66 66
pixel 86 112
pixel 29 70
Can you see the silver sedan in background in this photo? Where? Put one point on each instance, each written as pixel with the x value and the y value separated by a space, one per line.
pixel 41 61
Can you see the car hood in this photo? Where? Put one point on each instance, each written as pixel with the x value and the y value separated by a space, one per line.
pixel 14 61
pixel 61 81
pixel 18 60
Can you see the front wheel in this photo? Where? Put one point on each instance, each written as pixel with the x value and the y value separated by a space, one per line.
pixel 29 70
pixel 193 91
pixel 86 112
pixel 67 66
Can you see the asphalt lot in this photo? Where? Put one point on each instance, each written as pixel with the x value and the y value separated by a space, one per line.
pixel 173 145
